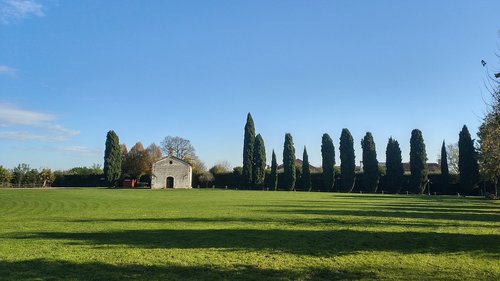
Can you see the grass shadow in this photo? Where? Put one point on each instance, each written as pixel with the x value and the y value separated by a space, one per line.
pixel 313 243
pixel 41 269
pixel 415 213
pixel 329 221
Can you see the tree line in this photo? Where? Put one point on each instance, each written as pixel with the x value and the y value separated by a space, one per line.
pixel 253 170
pixel 25 176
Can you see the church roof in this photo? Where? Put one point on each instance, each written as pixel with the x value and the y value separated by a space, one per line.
pixel 173 158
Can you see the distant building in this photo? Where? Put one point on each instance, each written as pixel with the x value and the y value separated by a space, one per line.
pixel 299 163
pixel 171 172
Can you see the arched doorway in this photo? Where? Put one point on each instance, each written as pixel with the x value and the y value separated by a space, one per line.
pixel 170 182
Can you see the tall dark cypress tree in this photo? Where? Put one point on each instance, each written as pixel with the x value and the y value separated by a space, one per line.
pixel 347 160
pixel 328 161
pixel 112 159
pixel 289 163
pixel 394 166
pixel 306 171
pixel 418 162
pixel 259 161
pixel 370 163
pixel 445 171
pixel 248 147
pixel 467 161
pixel 273 178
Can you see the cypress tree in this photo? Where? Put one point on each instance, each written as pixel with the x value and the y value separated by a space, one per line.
pixel 445 171
pixel 467 161
pixel 418 162
pixel 328 161
pixel 394 166
pixel 306 171
pixel 273 181
pixel 248 147
pixel 347 160
pixel 370 163
pixel 112 159
pixel 289 162
pixel 259 161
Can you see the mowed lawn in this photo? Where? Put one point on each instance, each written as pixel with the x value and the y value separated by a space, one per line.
pixel 104 234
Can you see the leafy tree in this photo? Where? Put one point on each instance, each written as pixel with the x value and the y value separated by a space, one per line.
pixel 489 136
pixel 216 169
pixel 197 165
pixel 31 177
pixel 328 161
pixel 220 168
pixel 112 159
pixel 347 160
pixel 370 163
pixel 124 165
pixel 259 161
pixel 467 161
pixel 95 169
pixel 138 162
pixel 206 177
pixel 5 175
pixel 19 174
pixel 394 165
pixel 306 171
pixel 445 172
pixel 153 153
pixel 418 159
pixel 248 147
pixel 289 163
pixel 46 176
pixel 273 181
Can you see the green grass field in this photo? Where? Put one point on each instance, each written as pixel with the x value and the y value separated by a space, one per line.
pixel 196 234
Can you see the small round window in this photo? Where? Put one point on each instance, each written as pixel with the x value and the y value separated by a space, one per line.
pixel 171 162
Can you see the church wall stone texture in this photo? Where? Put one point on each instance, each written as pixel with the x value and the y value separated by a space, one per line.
pixel 171 172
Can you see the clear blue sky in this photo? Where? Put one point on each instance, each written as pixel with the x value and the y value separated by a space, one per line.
pixel 72 70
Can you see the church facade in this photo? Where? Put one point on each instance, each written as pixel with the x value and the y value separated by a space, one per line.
pixel 171 172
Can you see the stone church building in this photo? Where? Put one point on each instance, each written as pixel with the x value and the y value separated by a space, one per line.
pixel 171 172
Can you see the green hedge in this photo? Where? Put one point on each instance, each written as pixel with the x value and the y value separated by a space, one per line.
pixel 233 181
pixel 436 186
pixel 79 181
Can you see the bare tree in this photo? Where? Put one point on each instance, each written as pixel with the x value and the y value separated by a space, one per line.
pixel 452 154
pixel 181 147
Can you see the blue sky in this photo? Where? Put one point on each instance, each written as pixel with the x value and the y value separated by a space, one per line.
pixel 72 70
